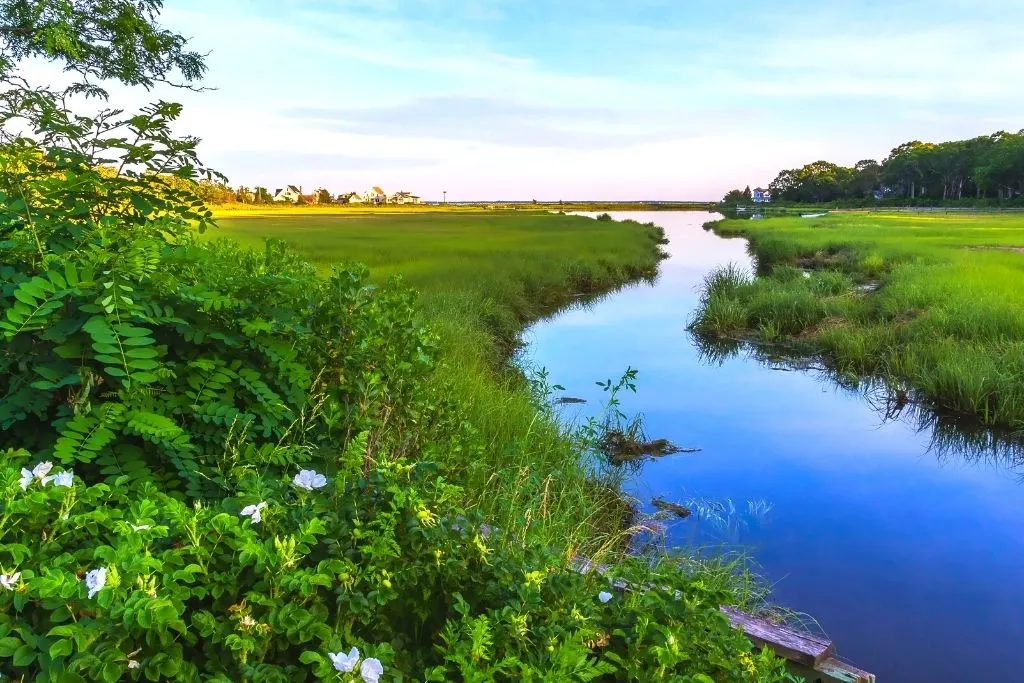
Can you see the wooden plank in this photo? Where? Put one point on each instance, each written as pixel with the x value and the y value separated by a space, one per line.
pixel 831 671
pixel 845 673
pixel 807 655
pixel 788 643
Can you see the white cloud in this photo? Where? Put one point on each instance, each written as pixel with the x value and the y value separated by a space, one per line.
pixel 417 94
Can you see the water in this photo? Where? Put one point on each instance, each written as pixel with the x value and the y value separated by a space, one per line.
pixel 911 560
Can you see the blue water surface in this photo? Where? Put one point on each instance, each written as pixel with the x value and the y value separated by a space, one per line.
pixel 912 561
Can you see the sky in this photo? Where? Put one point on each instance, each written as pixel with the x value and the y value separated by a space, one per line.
pixel 586 99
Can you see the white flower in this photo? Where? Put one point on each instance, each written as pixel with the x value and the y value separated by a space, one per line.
pixel 132 664
pixel 248 621
pixel 141 527
pixel 41 470
pixel 95 580
pixel 344 662
pixel 38 472
pixel 63 479
pixel 310 480
pixel 253 511
pixel 371 670
pixel 8 581
pixel 604 596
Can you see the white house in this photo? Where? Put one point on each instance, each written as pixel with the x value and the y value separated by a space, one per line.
pixel 350 198
pixel 288 194
pixel 375 196
pixel 761 196
pixel 403 197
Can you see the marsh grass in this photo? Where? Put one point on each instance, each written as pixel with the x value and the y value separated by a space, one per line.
pixel 482 278
pixel 947 316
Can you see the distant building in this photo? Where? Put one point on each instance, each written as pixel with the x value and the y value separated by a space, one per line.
pixel 375 196
pixel 288 194
pixel 309 198
pixel 761 196
pixel 403 197
pixel 350 198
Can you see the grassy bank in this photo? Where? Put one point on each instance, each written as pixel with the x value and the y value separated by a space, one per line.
pixel 482 278
pixel 933 304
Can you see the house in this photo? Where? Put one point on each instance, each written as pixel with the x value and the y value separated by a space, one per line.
pixel 403 197
pixel 288 194
pixel 375 196
pixel 761 196
pixel 350 198
pixel 309 198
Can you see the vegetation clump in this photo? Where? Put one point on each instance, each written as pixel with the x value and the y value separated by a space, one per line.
pixel 223 464
pixel 913 300
pixel 676 509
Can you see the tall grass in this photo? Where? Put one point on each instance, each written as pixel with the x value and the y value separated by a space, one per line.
pixel 482 278
pixel 944 312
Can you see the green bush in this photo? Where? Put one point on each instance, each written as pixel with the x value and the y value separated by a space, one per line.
pixel 374 560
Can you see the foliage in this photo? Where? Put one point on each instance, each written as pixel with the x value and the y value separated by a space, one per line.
pixel 931 302
pixel 375 560
pixel 744 196
pixel 990 166
pixel 99 39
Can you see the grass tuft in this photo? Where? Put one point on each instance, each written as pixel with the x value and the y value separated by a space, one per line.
pixel 933 302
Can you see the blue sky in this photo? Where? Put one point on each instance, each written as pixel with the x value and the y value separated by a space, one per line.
pixel 587 99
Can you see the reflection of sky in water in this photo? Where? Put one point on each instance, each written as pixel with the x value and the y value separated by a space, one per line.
pixel 914 566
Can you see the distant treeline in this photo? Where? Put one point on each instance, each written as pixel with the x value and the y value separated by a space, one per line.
pixel 987 169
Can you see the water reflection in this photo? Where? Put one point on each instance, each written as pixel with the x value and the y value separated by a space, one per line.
pixel 900 530
pixel 949 436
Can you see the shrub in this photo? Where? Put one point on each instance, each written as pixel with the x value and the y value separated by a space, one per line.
pixel 376 560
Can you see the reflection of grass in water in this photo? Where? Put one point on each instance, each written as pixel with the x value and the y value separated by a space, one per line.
pixel 949 436
pixel 724 513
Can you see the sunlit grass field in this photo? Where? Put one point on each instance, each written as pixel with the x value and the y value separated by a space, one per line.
pixel 503 268
pixel 947 319
pixel 482 278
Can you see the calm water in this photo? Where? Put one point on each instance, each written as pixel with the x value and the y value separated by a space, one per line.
pixel 911 560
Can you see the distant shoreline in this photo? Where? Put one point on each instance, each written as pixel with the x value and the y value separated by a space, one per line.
pixel 239 210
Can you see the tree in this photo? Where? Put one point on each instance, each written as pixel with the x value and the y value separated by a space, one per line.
pixel 820 181
pixel 867 177
pixel 215 191
pixel 324 197
pixel 262 196
pixel 737 196
pixel 99 39
pixel 907 166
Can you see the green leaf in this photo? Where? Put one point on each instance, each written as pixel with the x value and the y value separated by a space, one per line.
pixel 8 646
pixel 61 648
pixel 24 655
pixel 111 672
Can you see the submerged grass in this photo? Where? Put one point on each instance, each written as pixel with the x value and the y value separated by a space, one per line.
pixel 932 302
pixel 482 279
